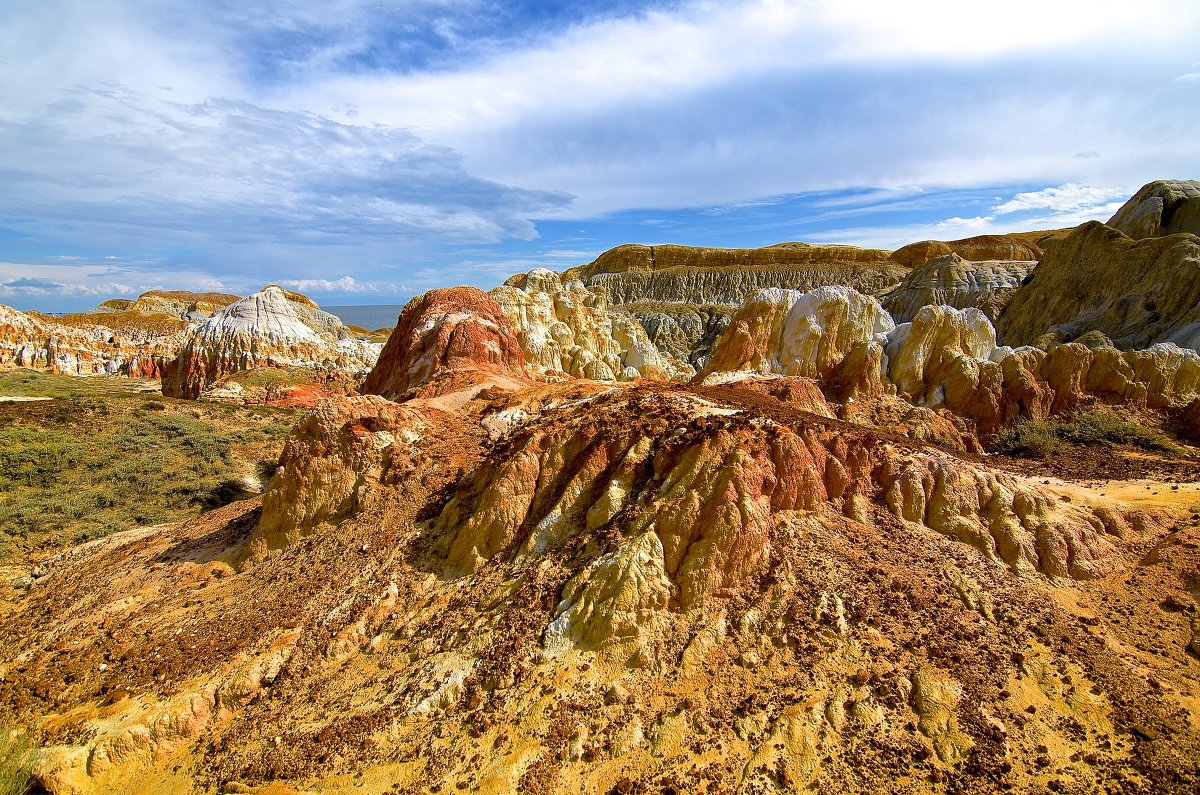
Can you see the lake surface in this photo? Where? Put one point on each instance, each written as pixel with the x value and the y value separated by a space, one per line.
pixel 369 316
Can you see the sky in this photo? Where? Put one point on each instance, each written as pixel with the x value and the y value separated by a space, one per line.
pixel 363 151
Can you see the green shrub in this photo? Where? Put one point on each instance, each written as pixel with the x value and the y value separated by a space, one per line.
pixel 1040 438
pixel 1094 427
pixel 1030 438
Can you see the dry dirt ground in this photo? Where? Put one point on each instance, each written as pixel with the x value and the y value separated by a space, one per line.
pixel 863 652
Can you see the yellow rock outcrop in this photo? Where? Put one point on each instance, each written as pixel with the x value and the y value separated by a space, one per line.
pixel 1137 292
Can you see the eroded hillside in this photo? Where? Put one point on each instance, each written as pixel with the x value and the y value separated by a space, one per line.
pixel 824 557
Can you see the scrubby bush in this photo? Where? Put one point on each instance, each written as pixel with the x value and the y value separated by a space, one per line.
pixel 1093 427
pixel 14 761
pixel 1040 438
pixel 1030 438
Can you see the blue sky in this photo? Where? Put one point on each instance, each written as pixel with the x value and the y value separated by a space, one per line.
pixel 363 151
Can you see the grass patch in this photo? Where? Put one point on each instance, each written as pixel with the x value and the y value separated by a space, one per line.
pixel 1095 427
pixel 14 761
pixel 1041 438
pixel 103 457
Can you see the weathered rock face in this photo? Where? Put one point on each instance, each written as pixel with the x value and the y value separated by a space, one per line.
pixel 334 460
pixel 951 280
pixel 945 358
pixel 794 574
pixel 35 341
pixel 711 494
pixel 683 331
pixel 1164 207
pixel 570 329
pixel 685 274
pixel 809 334
pixel 927 354
pixel 281 387
pixel 1137 292
pixel 442 331
pixel 183 304
pixel 265 329
pixel 982 248
pixel 684 296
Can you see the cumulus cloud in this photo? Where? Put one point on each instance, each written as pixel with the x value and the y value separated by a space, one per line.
pixel 1069 198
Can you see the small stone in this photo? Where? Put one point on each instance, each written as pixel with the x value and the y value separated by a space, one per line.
pixel 616 694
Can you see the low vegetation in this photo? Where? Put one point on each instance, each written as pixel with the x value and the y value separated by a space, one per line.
pixel 101 456
pixel 1041 438
pixel 14 761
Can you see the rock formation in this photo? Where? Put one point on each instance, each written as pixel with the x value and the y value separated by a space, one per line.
pixel 1137 292
pixel 640 584
pixel 684 332
pixel 944 358
pixel 799 333
pixel 447 331
pixel 684 296
pixel 183 304
pixel 37 341
pixel 1163 207
pixel 265 329
pixel 953 281
pixel 982 248
pixel 684 274
pixel 523 564
pixel 569 329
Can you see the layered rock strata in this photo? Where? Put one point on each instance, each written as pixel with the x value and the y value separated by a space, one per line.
pixel 481 580
pixel 632 584
pixel 945 358
pixel 183 304
pixel 982 248
pixel 458 330
pixel 28 340
pixel 683 274
pixel 1137 292
pixel 953 281
pixel 265 329
pixel 569 329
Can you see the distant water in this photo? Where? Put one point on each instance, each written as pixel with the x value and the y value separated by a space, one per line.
pixel 369 316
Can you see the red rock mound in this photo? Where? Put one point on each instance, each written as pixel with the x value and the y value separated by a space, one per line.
pixel 452 329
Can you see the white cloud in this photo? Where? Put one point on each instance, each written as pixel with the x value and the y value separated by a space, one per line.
pixel 346 285
pixel 1052 208
pixel 660 54
pixel 19 280
pixel 1071 197
pixel 241 171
